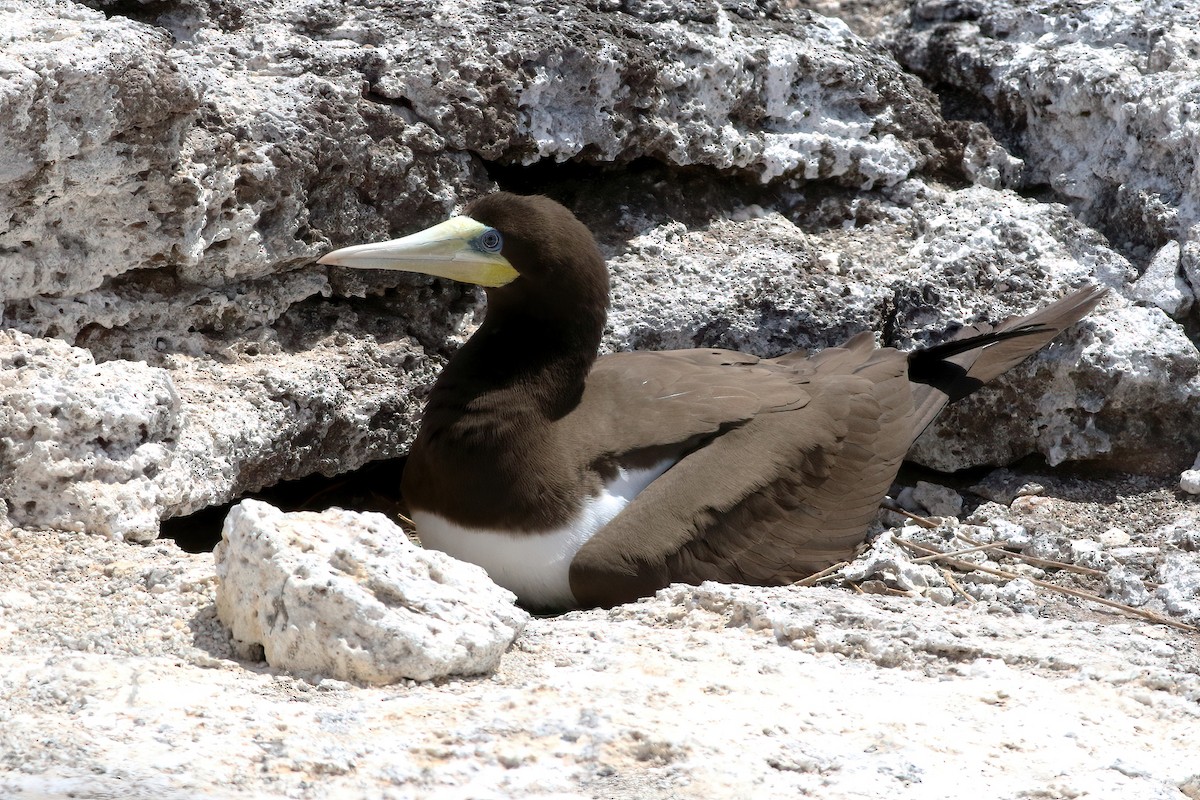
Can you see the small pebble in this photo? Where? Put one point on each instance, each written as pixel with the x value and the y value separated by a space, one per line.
pixel 1189 481
pixel 938 501
pixel 1114 537
pixel 1031 504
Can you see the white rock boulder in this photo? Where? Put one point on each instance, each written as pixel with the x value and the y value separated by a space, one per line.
pixel 1189 479
pixel 1162 285
pixel 347 596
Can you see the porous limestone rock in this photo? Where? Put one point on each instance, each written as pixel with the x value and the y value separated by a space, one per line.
pixel 1179 585
pixel 1189 260
pixel 708 692
pixel 190 160
pixel 256 137
pixel 1092 406
pixel 94 113
pixel 1162 285
pixel 592 702
pixel 114 447
pixel 912 270
pixel 1097 98
pixel 81 442
pixel 238 148
pixel 938 501
pixel 1003 486
pixel 345 595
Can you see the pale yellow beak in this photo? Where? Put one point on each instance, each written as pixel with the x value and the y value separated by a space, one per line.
pixel 457 249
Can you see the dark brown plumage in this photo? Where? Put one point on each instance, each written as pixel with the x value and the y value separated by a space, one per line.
pixel 776 466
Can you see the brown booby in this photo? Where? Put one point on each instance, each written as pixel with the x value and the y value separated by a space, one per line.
pixel 580 481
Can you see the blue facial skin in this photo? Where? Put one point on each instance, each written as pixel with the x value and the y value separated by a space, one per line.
pixel 490 241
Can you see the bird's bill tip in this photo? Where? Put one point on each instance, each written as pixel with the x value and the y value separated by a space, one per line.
pixel 449 249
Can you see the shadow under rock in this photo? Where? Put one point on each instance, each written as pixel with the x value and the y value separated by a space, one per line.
pixel 374 487
pixel 623 201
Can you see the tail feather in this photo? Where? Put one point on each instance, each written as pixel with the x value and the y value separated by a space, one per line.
pixel 947 372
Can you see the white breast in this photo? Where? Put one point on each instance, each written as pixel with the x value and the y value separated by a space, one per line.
pixel 535 566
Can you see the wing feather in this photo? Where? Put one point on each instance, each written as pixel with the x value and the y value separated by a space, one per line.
pixel 783 492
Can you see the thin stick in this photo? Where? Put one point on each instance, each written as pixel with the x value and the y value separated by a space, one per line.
pixel 975 549
pixel 1047 562
pixel 955 586
pixel 1040 562
pixel 817 577
pixel 889 590
pixel 924 522
pixel 1035 560
pixel 967 566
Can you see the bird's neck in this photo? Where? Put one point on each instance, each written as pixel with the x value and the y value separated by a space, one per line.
pixel 517 365
pixel 488 453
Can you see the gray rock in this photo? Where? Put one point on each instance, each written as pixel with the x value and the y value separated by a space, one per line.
pixel 1126 586
pixel 594 704
pixel 1096 97
pixel 1162 285
pixel 1092 404
pixel 1115 537
pixel 938 501
pixel 92 136
pixel 1003 486
pixel 1189 259
pixel 888 563
pixel 1089 553
pixel 346 596
pixel 83 441
pixel 238 144
pixel 234 170
pixel 1179 585
pixel 114 447
pixel 1183 533
pixel 767 285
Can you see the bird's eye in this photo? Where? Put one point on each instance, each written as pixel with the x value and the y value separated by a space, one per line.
pixel 490 241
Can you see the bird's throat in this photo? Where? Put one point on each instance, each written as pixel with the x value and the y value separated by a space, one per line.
pixel 489 448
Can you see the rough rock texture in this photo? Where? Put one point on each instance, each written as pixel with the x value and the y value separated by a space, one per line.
pixel 1098 99
pixel 112 447
pixel 759 177
pixel 117 679
pixel 1163 284
pixel 938 501
pixel 95 115
pixel 278 127
pixel 347 596
pixel 912 269
pixel 1189 479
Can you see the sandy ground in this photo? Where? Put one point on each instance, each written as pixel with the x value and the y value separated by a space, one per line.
pixel 117 681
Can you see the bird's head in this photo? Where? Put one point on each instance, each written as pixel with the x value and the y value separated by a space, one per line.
pixel 518 247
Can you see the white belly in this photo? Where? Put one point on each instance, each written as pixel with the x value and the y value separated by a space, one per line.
pixel 536 566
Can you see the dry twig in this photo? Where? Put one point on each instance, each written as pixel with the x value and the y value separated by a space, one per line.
pixel 1037 562
pixel 817 577
pixel 924 522
pixel 975 549
pixel 967 566
pixel 955 585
